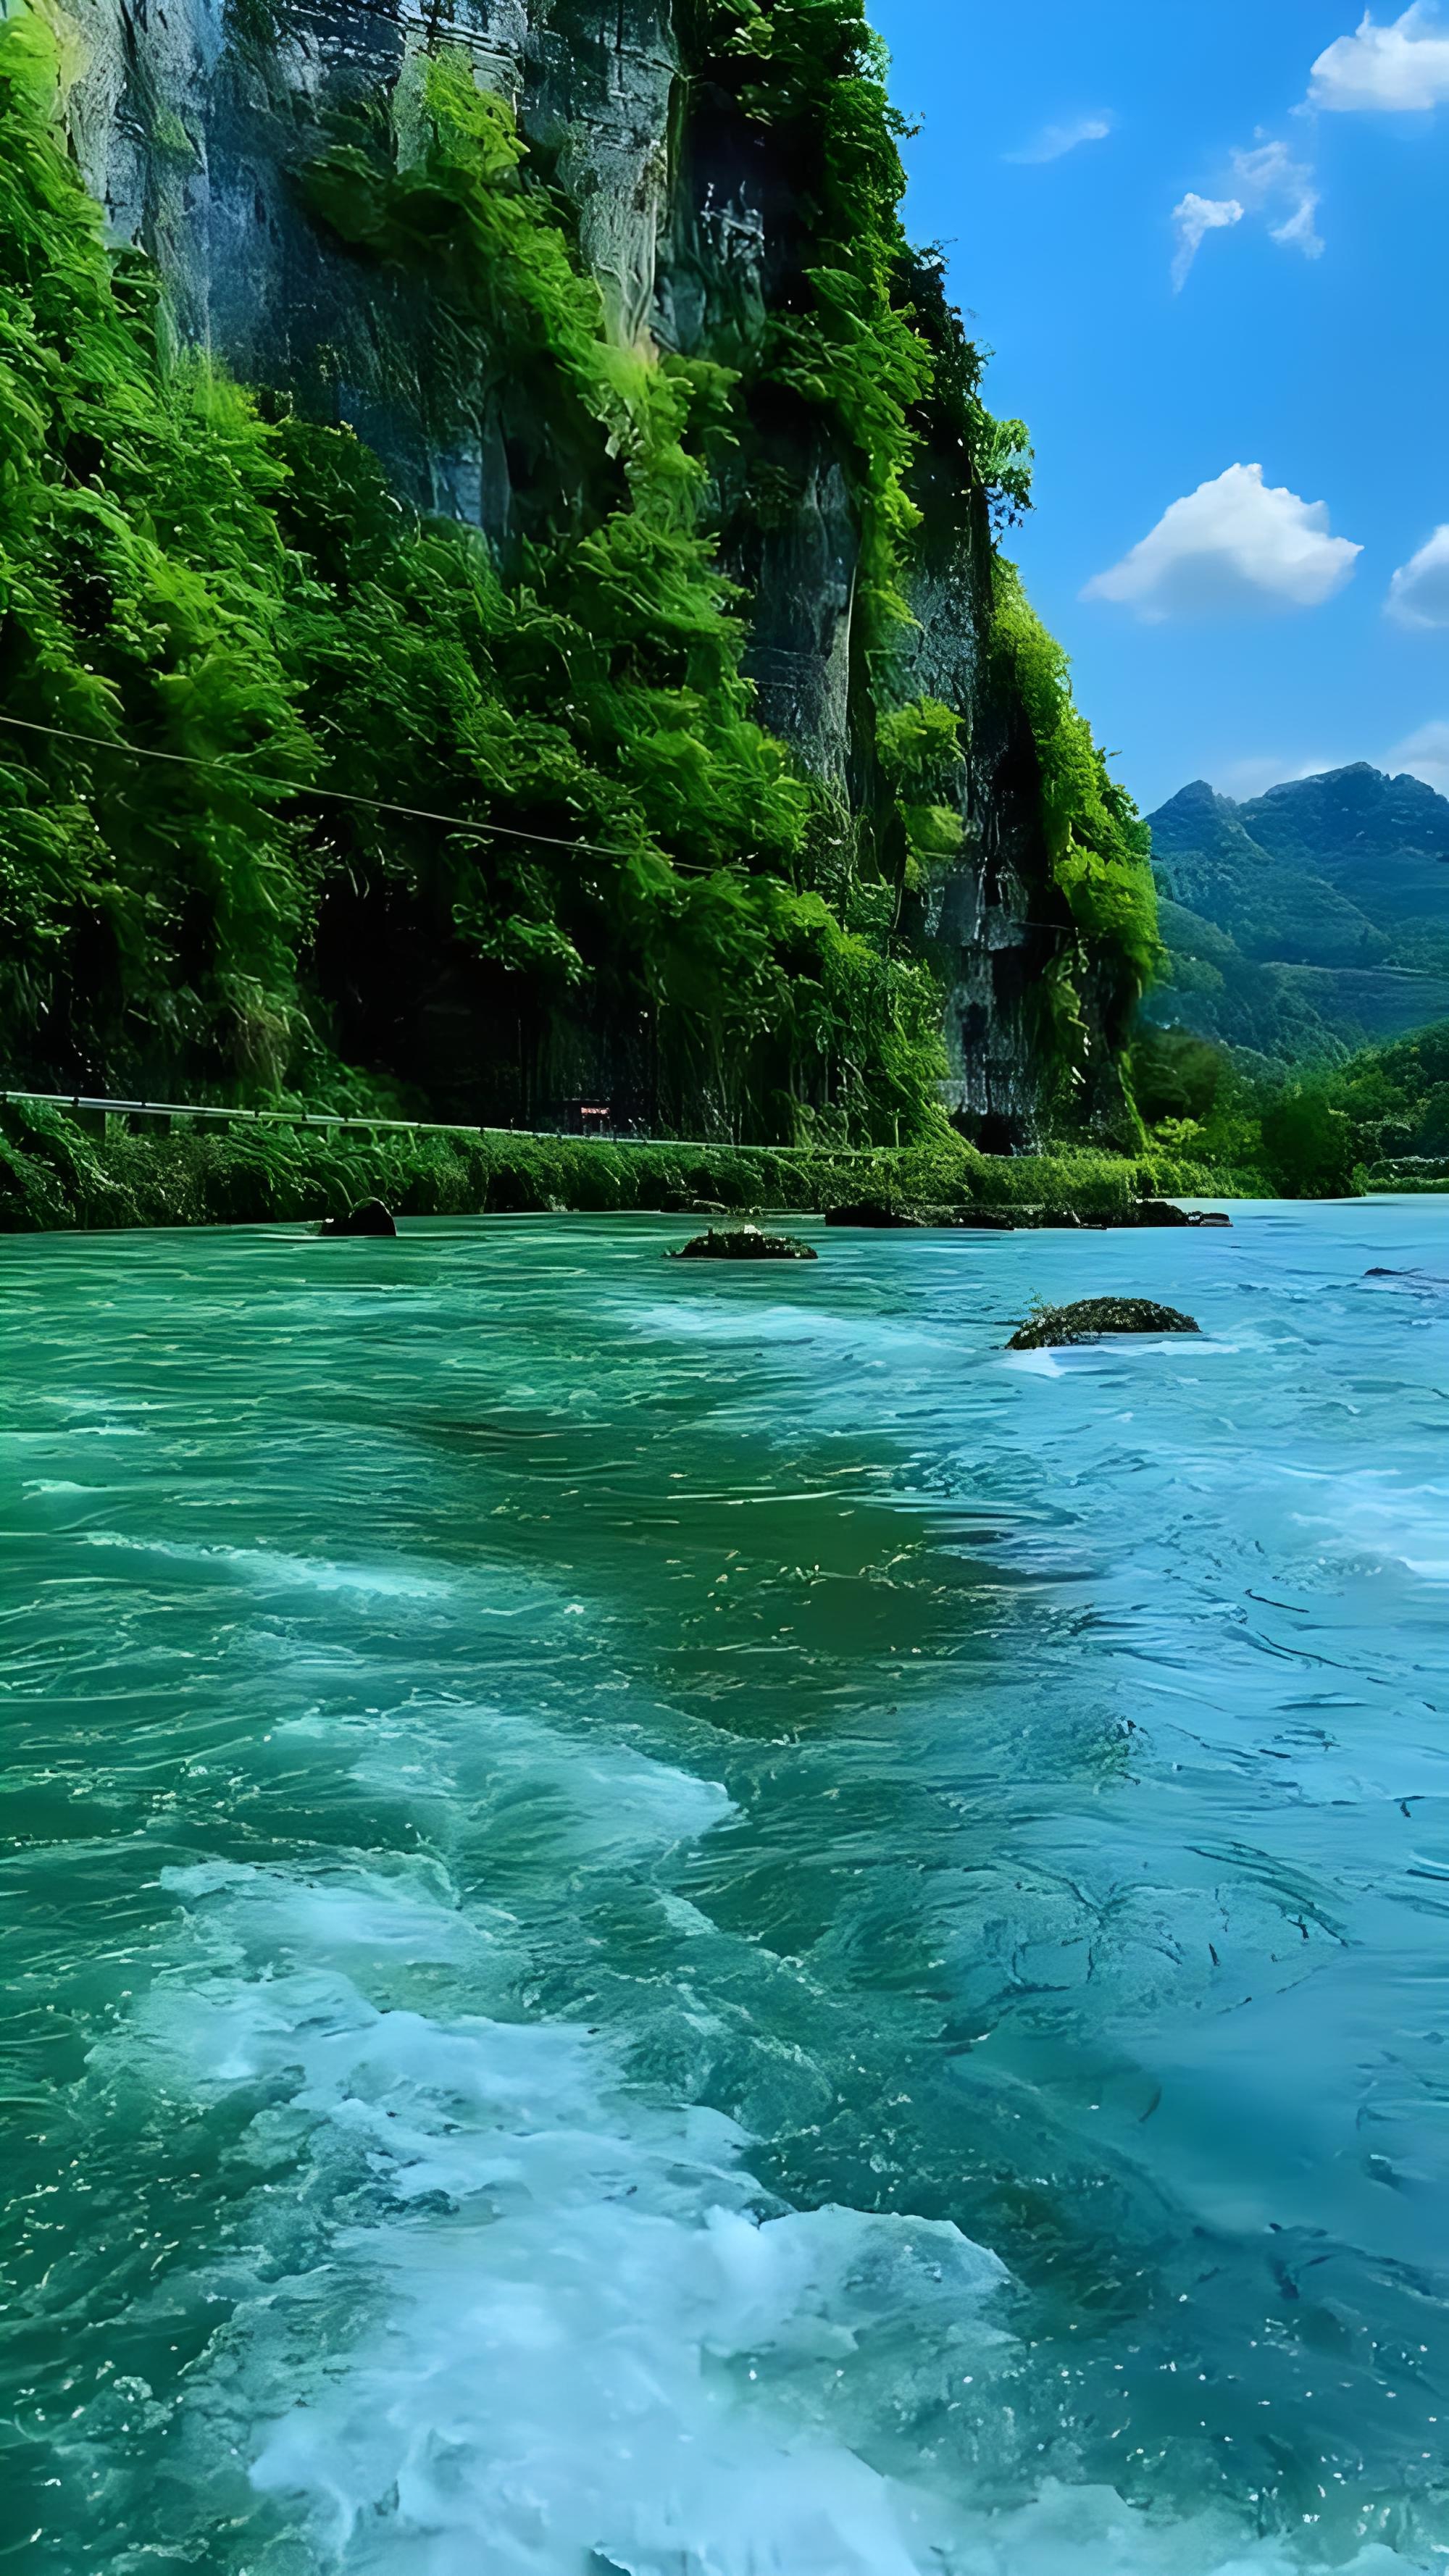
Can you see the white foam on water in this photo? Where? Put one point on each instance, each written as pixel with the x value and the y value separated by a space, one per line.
pixel 716 1319
pixel 580 2329
pixel 556 2329
pixel 1088 2531
pixel 1033 1363
pixel 286 1573
pixel 276 1913
pixel 1086 1359
pixel 63 1431
pixel 1372 1514
pixel 683 1917
pixel 607 1801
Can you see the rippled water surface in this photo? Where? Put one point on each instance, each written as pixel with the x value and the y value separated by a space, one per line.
pixel 678 1922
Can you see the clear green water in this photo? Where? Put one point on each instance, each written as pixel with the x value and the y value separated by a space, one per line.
pixel 678 1921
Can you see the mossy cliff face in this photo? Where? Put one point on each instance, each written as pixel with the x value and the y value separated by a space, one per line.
pixel 608 476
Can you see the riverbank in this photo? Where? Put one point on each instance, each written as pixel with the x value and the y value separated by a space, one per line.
pixel 55 1176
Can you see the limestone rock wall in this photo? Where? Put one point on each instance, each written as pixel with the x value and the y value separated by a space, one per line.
pixel 191 120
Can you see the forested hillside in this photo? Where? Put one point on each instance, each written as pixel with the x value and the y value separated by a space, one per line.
pixel 1309 921
pixel 1377 1119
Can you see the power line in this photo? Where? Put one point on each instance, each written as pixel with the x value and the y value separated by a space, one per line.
pixel 383 805
pixel 331 795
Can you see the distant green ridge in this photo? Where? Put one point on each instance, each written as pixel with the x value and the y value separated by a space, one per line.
pixel 1310 921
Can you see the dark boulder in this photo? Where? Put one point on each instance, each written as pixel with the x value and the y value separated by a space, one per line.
pixel 1052 1327
pixel 743 1243
pixel 370 1218
pixel 1209 1216
pixel 880 1213
pixel 968 1220
pixel 1161 1212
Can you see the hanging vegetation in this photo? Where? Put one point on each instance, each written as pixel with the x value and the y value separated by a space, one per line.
pixel 629 870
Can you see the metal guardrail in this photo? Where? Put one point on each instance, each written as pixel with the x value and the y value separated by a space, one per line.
pixel 333 1119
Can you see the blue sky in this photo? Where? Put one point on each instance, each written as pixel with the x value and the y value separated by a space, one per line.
pixel 1308 335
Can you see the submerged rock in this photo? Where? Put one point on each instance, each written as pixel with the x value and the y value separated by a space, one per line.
pixel 370 1218
pixel 743 1243
pixel 1054 1326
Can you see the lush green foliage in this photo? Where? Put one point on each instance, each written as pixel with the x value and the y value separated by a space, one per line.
pixel 1098 846
pixel 1380 1117
pixel 53 1174
pixel 871 341
pixel 142 581
pixel 167 497
pixel 209 576
pixel 182 573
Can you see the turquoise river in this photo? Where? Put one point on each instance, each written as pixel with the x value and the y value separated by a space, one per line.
pixel 676 1921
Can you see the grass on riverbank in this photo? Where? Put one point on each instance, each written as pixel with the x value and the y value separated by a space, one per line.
pixel 54 1175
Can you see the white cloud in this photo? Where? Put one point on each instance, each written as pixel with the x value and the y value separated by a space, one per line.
pixel 1195 218
pixel 1400 67
pixel 1425 755
pixel 1419 591
pixel 1055 140
pixel 1300 232
pixel 1268 176
pixel 1231 546
pixel 1265 180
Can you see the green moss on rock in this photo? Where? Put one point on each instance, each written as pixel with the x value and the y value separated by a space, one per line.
pixel 1055 1327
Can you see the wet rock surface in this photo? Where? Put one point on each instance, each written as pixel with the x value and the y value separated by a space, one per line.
pixel 1167 1212
pixel 1055 1327
pixel 743 1243
pixel 369 1218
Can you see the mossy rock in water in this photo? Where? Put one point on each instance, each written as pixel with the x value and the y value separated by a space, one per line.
pixel 743 1243
pixel 1052 1326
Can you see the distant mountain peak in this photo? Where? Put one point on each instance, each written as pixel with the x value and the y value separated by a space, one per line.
pixel 1198 819
pixel 1199 791
pixel 1351 818
pixel 1403 811
pixel 1357 779
pixel 1193 811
